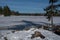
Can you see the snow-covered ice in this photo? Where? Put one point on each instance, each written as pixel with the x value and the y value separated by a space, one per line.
pixel 17 20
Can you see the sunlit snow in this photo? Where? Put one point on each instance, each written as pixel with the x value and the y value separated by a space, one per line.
pixel 17 20
pixel 26 35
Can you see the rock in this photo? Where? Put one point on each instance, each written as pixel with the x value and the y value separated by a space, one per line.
pixel 5 38
pixel 37 34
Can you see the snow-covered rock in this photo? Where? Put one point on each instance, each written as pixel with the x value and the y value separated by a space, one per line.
pixel 26 35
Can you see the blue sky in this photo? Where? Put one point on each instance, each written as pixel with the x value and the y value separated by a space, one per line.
pixel 26 6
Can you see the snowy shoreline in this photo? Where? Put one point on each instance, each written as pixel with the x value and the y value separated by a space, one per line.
pixel 26 35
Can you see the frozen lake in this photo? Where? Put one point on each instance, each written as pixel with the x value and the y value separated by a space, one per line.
pixel 18 20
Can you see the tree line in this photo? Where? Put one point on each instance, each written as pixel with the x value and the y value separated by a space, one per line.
pixel 7 12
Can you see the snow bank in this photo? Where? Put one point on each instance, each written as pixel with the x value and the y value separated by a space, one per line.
pixel 26 35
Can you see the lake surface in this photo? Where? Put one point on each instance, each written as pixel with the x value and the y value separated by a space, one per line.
pixel 22 21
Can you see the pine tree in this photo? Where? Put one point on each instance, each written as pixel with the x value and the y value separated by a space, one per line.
pixel 7 11
pixel 51 10
pixel 1 9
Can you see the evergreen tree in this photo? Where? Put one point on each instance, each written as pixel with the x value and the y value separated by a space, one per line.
pixel 51 10
pixel 7 11
pixel 1 9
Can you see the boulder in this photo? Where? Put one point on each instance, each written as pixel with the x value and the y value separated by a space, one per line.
pixel 37 34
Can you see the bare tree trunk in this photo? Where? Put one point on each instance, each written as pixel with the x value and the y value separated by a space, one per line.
pixel 52 15
pixel 52 21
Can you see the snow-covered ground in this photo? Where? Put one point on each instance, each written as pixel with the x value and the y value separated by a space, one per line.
pixel 26 35
pixel 26 21
pixel 17 20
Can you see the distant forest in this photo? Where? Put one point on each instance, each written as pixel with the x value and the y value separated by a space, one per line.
pixel 7 12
